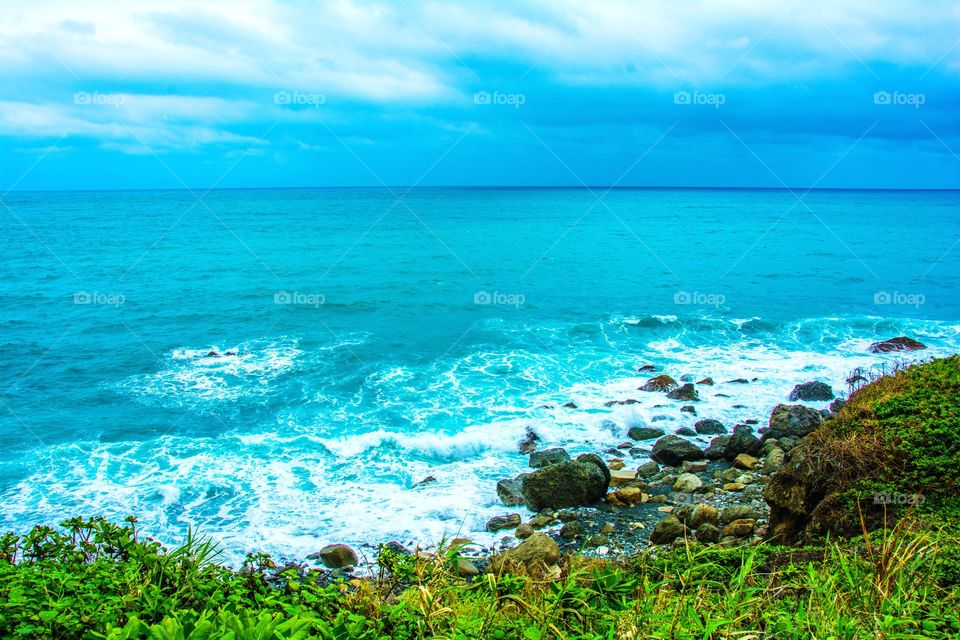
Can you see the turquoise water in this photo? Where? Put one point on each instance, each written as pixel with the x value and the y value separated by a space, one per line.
pixel 379 341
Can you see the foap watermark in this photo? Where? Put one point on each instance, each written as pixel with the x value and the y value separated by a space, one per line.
pixel 98 99
pixel 915 100
pixel 299 99
pixel 515 100
pixel 899 499
pixel 699 298
pixel 499 298
pixel 299 298
pixel 99 298
pixel 699 98
pixel 899 298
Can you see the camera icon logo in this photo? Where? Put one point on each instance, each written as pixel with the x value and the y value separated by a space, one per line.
pixel 282 97
pixel 282 297
pixel 881 97
pixel 481 97
pixel 682 97
pixel 82 297
pixel 482 297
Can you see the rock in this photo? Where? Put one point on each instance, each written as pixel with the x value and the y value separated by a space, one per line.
pixel 594 459
pixel 687 483
pixel 529 442
pixel 739 528
pixel 565 484
pixel 499 523
pixel 541 520
pixel 596 540
pixel 647 368
pixel 510 491
pixel 727 475
pixel 672 450
pixel 690 466
pixel 703 514
pixel 523 532
pixel 742 441
pixel 745 461
pixel 737 512
pixel 900 343
pixel 706 381
pixel 539 459
pixel 812 392
pixel 708 533
pixel 338 556
pixel 570 405
pixel 733 486
pixel 660 383
pixel 792 421
pixel 615 464
pixel 773 460
pixel 836 405
pixel 738 381
pixel 709 427
pixel 627 497
pixel 610 403
pixel 607 528
pixel 667 530
pixel 717 449
pixel 644 433
pixel 571 530
pixel 466 569
pixel 622 477
pixel 425 481
pixel 537 551
pixel 687 392
pixel 689 408
pixel 648 469
pixel 686 431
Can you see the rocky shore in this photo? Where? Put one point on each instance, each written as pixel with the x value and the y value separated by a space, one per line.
pixel 655 488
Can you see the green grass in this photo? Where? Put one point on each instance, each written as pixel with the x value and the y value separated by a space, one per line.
pixel 93 579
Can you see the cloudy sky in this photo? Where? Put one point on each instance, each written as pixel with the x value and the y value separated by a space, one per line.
pixel 167 94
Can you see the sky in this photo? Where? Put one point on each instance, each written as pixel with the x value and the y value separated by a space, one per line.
pixel 732 93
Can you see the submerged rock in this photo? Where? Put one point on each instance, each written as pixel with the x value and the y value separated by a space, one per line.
pixel 812 392
pixel 660 383
pixel 687 392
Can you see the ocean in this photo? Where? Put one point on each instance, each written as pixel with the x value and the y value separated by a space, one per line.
pixel 279 369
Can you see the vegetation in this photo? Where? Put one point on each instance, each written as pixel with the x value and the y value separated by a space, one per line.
pixel 94 579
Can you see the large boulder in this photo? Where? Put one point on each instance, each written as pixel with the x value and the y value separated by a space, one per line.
pixel 814 391
pixel 673 450
pixel 337 556
pixel 792 421
pixel 536 552
pixel 660 383
pixel 546 457
pixel 742 441
pixel 667 530
pixel 510 491
pixel 687 393
pixel 592 458
pixel 900 343
pixel 644 433
pixel 709 427
pixel 565 484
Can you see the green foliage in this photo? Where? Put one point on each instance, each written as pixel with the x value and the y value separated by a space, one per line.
pixel 96 580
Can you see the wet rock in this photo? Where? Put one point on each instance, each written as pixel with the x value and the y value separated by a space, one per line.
pixel 425 481
pixel 565 484
pixel 693 466
pixel 523 532
pixel 739 528
pixel 672 450
pixel 742 441
pixel 745 461
pixel 499 523
pixel 667 530
pixel 541 520
pixel 571 530
pixel 611 403
pixel 793 421
pixel 510 491
pixel 644 433
pixel 687 393
pixel 647 368
pixel 689 408
pixel 686 431
pixel 708 533
pixel 539 459
pixel 659 383
pixel 738 381
pixel 648 469
pixel 337 556
pixel 570 405
pixel 687 483
pixel 709 427
pixel 718 448
pixel 537 551
pixel 900 343
pixel 591 458
pixel 706 381
pixel 737 512
pixel 814 391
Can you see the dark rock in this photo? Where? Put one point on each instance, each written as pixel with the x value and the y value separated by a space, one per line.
pixel 672 450
pixel 900 343
pixel 814 391
pixel 660 383
pixel 687 392
pixel 596 540
pixel 836 405
pixel 529 442
pixel 592 458
pixel 647 368
pixel 611 403
pixel 794 420
pixel 571 530
pixel 565 484
pixel 738 381
pixel 706 381
pixel 546 457
pixel 689 408
pixel 708 533
pixel 499 523
pixel 742 441
pixel 686 431
pixel 648 469
pixel 510 491
pixel 337 556
pixel 541 520
pixel 667 530
pixel 751 421
pixel 709 427
pixel 427 480
pixel 737 512
pixel 717 449
pixel 644 433
pixel 570 405
pixel 535 552
pixel 211 354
